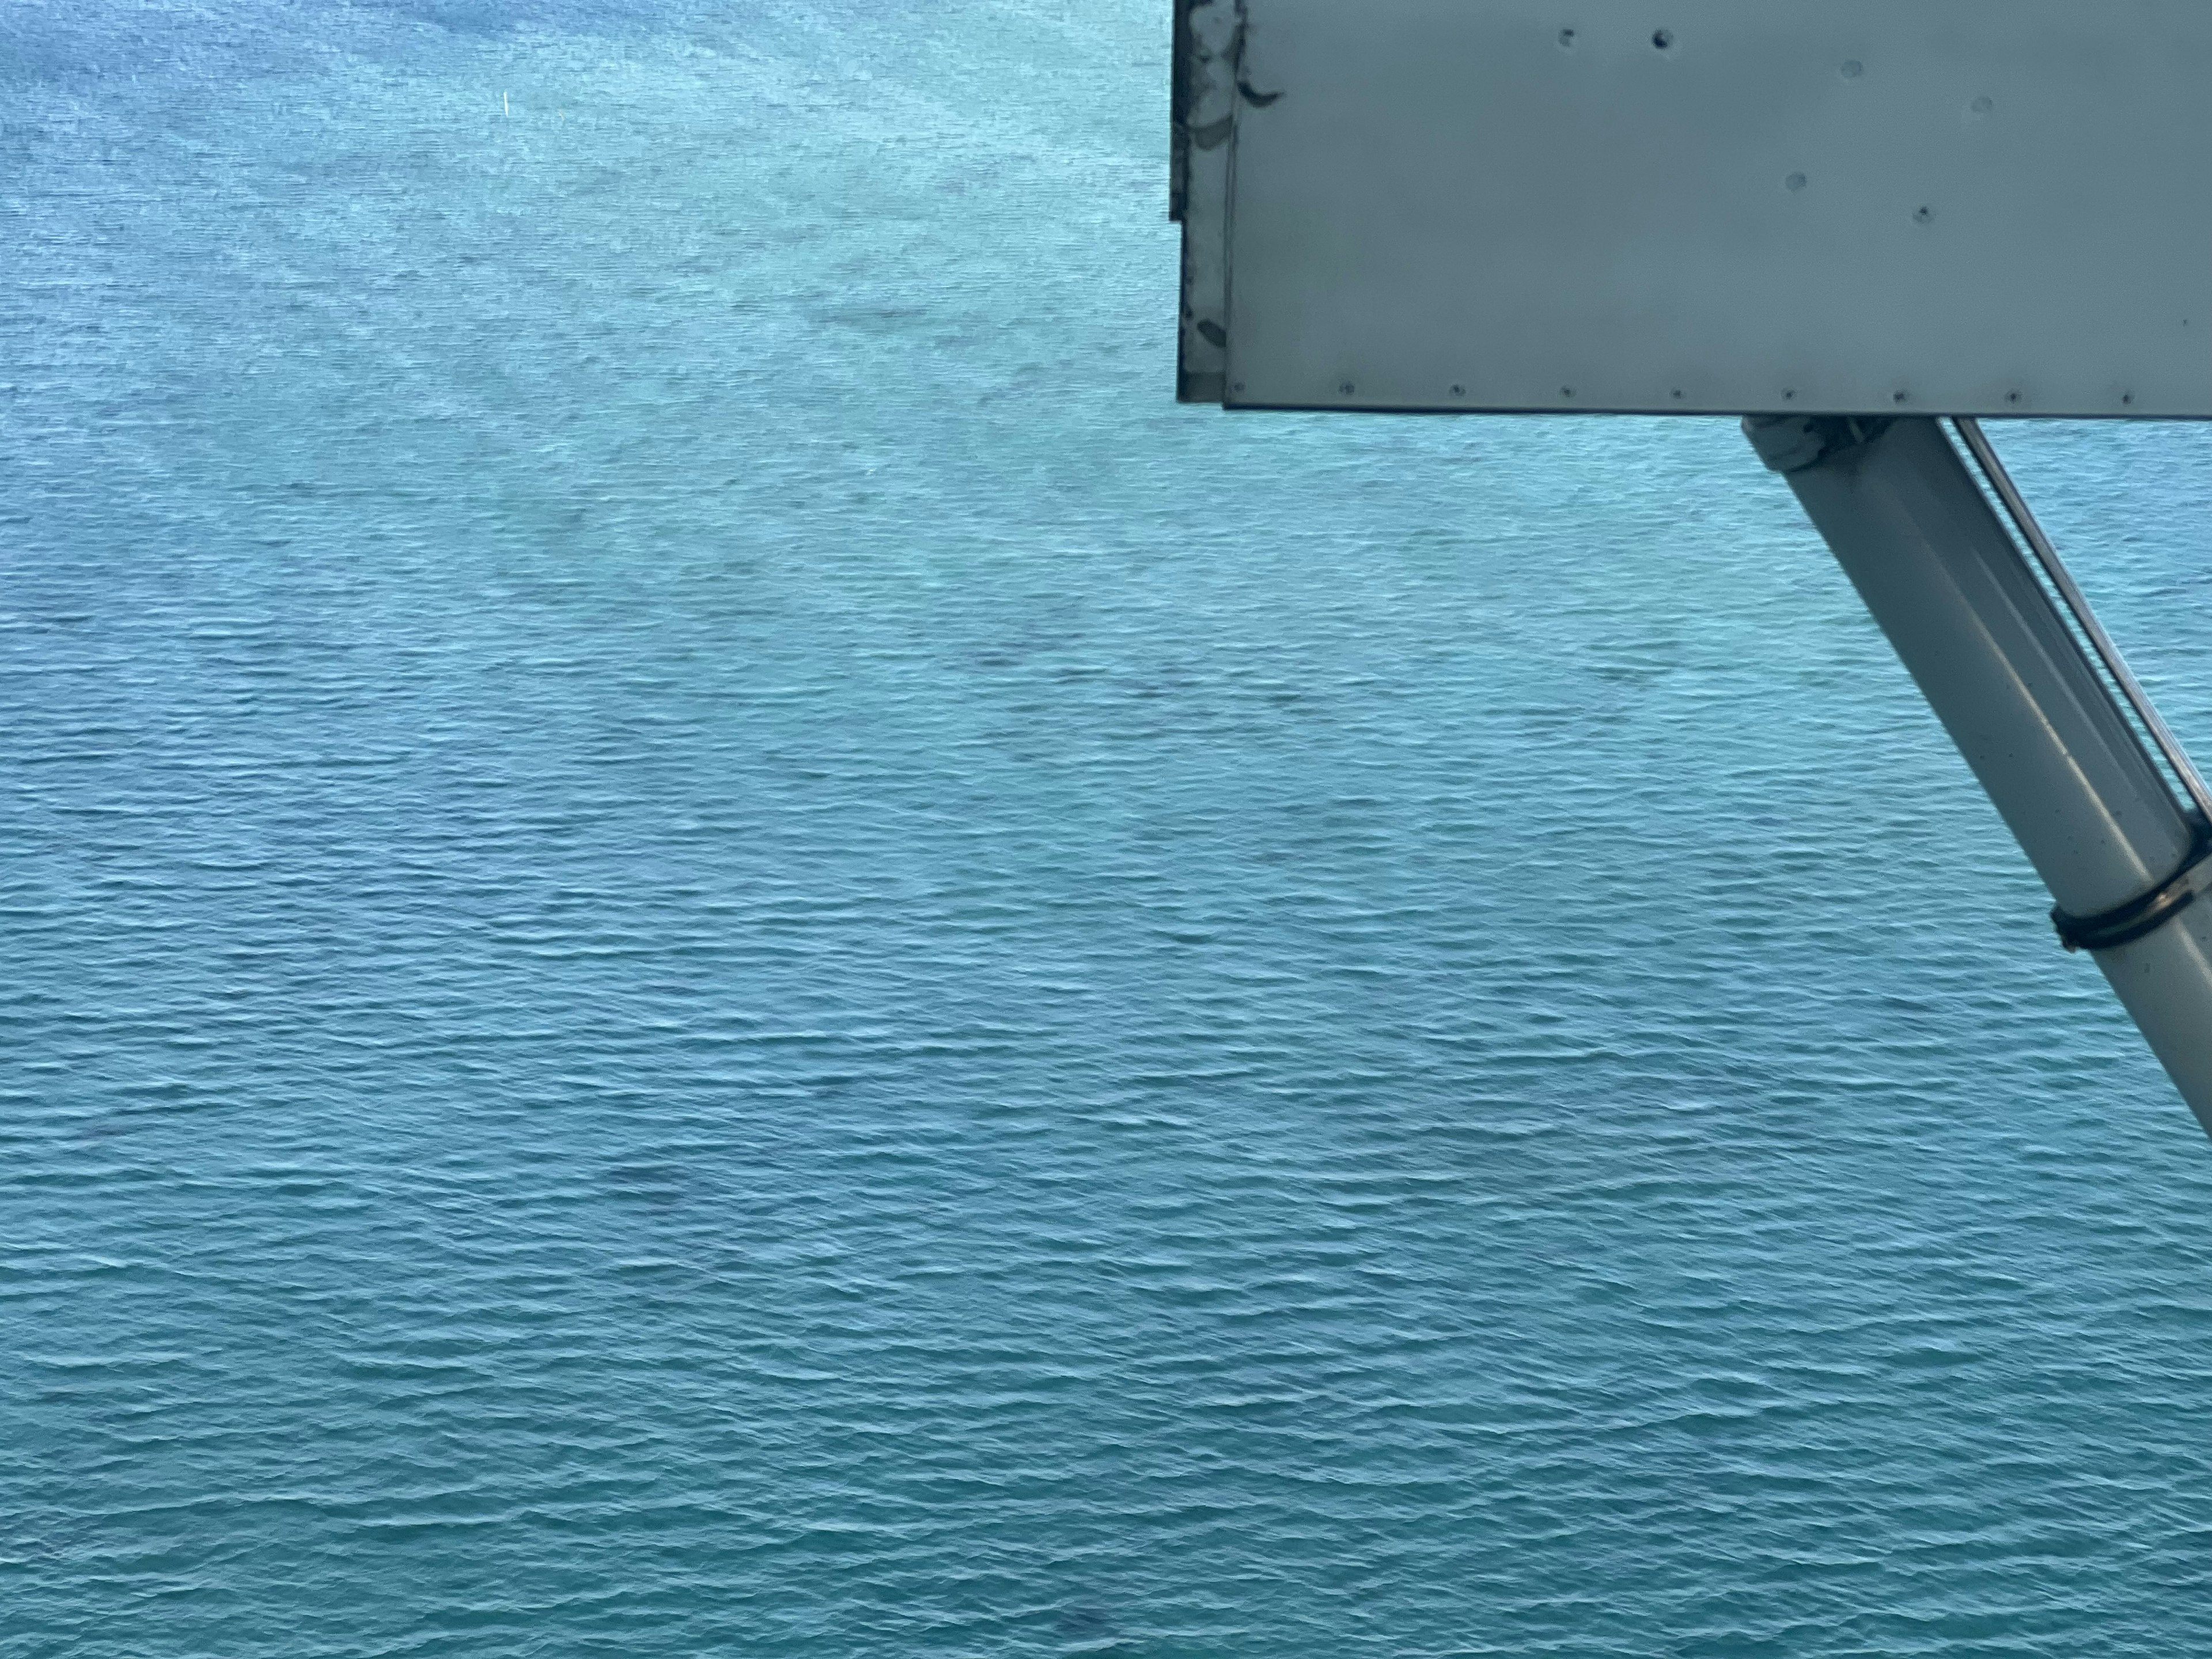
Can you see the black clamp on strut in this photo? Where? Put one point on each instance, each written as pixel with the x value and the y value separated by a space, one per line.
pixel 2145 912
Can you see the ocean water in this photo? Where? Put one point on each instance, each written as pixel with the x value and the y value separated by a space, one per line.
pixel 710 943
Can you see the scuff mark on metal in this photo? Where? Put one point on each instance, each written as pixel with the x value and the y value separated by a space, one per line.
pixel 1209 38
pixel 1207 34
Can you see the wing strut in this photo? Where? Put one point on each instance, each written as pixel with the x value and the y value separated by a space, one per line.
pixel 2001 642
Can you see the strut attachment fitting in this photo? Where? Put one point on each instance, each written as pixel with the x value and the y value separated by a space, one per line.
pixel 1790 443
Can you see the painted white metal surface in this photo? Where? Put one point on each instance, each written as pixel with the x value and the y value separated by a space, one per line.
pixel 1994 207
pixel 2164 983
pixel 1993 657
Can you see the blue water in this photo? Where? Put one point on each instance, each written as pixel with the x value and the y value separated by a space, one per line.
pixel 710 943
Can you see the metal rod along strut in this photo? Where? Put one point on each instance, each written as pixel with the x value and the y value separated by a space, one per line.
pixel 2077 605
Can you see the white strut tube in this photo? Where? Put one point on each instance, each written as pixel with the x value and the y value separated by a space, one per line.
pixel 1991 651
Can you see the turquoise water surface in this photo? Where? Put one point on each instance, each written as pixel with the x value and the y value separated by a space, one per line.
pixel 714 944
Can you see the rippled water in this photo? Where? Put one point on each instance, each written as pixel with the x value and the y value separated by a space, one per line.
pixel 713 944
